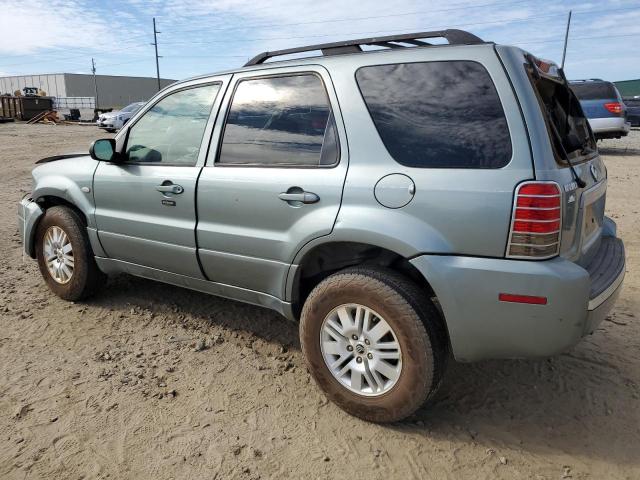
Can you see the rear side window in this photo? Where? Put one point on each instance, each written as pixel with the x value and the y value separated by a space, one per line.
pixel 437 114
pixel 283 120
pixel 594 90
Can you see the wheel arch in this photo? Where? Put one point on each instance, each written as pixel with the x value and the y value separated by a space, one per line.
pixel 48 201
pixel 324 259
pixel 46 198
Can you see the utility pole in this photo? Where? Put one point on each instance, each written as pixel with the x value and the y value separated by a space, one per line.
pixel 95 83
pixel 155 44
pixel 566 39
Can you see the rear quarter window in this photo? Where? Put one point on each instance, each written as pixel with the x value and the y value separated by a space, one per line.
pixel 437 114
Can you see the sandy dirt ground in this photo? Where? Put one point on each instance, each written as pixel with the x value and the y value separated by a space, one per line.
pixel 118 386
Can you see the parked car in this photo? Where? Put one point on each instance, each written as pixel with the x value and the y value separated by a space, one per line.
pixel 633 110
pixel 603 106
pixel 112 121
pixel 354 193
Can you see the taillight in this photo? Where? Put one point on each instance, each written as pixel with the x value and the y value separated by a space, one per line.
pixel 614 107
pixel 537 221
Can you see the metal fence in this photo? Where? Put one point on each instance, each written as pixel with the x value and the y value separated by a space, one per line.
pixel 82 103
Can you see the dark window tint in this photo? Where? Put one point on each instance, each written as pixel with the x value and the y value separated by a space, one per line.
pixel 437 114
pixel 280 121
pixel 594 90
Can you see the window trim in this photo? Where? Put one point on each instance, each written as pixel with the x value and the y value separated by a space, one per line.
pixel 168 94
pixel 217 163
pixel 504 113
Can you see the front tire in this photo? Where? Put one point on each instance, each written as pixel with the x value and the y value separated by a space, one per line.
pixel 373 342
pixel 64 255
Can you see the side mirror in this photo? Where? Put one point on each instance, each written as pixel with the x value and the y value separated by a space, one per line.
pixel 104 150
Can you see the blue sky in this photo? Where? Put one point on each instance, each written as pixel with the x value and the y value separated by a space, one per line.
pixel 56 36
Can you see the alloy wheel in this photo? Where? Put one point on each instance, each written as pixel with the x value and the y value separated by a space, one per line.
pixel 58 254
pixel 361 349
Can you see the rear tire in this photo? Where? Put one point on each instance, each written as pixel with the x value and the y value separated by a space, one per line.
pixel 414 325
pixel 64 255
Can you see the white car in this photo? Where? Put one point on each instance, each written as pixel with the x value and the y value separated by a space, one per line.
pixel 112 121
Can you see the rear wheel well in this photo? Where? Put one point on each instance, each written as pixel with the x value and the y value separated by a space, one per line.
pixel 329 258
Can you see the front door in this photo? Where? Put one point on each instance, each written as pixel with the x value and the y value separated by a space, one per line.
pixel 275 181
pixel 145 204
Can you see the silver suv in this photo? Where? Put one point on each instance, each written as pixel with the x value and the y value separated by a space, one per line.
pixel 403 203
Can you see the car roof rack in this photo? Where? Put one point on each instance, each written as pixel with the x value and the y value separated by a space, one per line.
pixel 453 36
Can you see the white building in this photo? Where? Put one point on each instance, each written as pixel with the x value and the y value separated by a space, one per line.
pixel 113 91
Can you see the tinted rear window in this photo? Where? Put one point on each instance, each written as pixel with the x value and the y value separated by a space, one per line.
pixel 437 114
pixel 594 90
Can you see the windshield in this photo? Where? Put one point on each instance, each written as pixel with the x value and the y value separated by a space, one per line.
pixel 594 90
pixel 567 126
pixel 134 107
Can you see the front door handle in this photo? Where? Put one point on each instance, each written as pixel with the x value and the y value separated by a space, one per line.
pixel 302 197
pixel 170 188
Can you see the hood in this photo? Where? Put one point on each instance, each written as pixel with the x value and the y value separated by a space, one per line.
pixel 110 114
pixel 61 157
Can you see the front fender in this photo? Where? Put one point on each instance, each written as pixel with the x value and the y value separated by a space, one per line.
pixel 70 179
pixel 64 188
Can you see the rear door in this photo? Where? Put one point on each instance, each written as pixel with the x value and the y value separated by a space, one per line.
pixel 275 181
pixel 145 205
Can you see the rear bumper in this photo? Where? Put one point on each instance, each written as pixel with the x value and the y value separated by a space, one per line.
pixel 610 126
pixel 606 272
pixel 482 327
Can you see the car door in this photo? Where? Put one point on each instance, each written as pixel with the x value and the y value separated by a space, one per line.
pixel 145 204
pixel 275 181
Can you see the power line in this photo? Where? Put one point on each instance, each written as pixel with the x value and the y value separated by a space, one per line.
pixel 95 83
pixel 208 29
pixel 351 19
pixel 333 34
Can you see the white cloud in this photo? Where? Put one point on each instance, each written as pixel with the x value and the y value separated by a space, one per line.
pixel 31 26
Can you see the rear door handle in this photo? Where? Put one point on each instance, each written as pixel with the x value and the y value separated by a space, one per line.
pixel 170 188
pixel 304 197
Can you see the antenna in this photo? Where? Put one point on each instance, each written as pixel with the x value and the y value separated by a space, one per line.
pixel 566 39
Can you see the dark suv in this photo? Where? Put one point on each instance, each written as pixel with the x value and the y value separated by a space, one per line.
pixel 633 110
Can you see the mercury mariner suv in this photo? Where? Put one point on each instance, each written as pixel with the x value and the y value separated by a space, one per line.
pixel 405 202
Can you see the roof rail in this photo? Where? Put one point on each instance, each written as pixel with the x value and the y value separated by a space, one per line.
pixel 453 36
